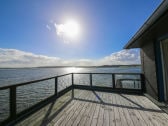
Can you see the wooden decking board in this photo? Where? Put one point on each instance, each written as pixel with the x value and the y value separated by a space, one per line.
pixel 106 112
pixel 62 115
pixel 150 114
pixel 85 115
pixel 121 110
pixel 72 114
pixel 58 120
pixel 153 106
pixel 101 113
pixel 147 118
pixel 136 118
pixel 156 117
pixel 96 115
pixel 66 110
pixel 38 117
pixel 90 116
pixel 78 111
pixel 81 113
pixel 102 109
pixel 136 104
pixel 116 111
pixel 78 117
pixel 126 113
pixel 111 111
pixel 138 111
pixel 86 109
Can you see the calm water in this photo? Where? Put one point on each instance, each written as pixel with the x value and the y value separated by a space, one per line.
pixel 28 95
pixel 13 76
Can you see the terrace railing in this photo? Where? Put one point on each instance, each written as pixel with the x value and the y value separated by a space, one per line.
pixel 59 85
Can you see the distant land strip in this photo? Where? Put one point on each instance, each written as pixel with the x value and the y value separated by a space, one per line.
pixel 103 66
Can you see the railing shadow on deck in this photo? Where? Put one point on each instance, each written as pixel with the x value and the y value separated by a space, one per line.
pixel 16 117
pixel 101 101
pixel 48 118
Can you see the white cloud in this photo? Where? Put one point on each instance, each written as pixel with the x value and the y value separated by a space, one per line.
pixel 61 32
pixel 17 58
pixel 60 29
pixel 68 31
pixel 48 27
pixel 122 57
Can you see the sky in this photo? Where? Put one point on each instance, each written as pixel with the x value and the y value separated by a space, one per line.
pixel 30 31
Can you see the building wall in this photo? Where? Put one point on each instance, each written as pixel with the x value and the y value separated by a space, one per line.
pixel 149 69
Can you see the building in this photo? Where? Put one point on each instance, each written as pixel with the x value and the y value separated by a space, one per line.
pixel 152 39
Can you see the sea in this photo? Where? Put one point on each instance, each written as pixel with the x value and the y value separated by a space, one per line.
pixel 29 95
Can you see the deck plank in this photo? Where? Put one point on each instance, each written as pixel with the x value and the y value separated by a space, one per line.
pixel 106 111
pixel 149 113
pixel 96 115
pixel 147 118
pixel 73 114
pixel 81 114
pixel 138 106
pixel 116 111
pixel 90 116
pixel 121 112
pixel 62 115
pixel 126 112
pixel 157 117
pixel 101 113
pixel 103 109
pixel 136 118
pixel 111 111
pixel 85 115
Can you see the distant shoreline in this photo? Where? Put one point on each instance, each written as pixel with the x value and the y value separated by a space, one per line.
pixel 103 66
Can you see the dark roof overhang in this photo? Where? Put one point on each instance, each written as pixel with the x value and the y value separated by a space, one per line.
pixel 152 29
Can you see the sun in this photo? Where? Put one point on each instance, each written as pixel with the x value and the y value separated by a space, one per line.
pixel 71 29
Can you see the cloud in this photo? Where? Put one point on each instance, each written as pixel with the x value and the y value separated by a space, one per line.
pixel 69 31
pixel 17 58
pixel 61 32
pixel 48 27
pixel 122 57
pixel 60 29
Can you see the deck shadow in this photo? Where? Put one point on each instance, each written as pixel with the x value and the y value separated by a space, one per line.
pixel 131 101
pixel 47 119
pixel 117 105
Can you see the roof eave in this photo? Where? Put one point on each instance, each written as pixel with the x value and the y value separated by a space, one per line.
pixel 133 42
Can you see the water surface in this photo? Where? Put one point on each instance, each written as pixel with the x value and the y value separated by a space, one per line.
pixel 29 95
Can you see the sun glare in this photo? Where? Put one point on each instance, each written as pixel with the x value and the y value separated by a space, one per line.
pixel 72 29
pixel 73 69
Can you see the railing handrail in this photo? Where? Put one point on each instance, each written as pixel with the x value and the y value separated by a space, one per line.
pixel 29 82
pixel 43 79
pixel 110 73
pixel 13 90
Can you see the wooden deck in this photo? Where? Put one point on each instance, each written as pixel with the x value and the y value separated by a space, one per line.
pixel 90 108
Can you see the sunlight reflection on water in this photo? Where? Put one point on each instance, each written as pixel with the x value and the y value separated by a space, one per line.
pixel 73 69
pixel 30 94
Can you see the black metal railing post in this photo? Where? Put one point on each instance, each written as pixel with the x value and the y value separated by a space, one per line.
pixel 113 80
pixel 72 85
pixel 56 86
pixel 91 79
pixel 13 90
pixel 72 79
pixel 12 102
